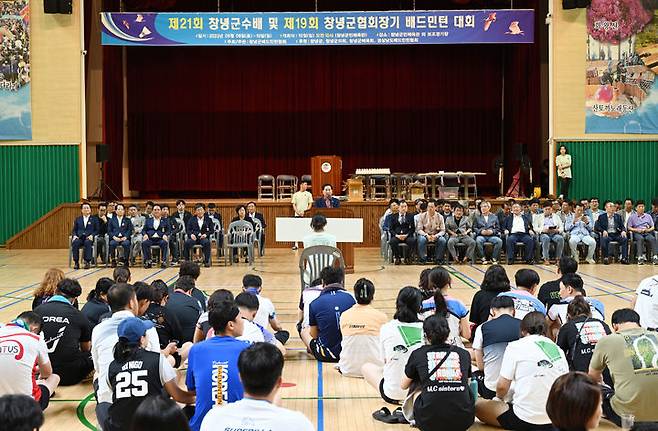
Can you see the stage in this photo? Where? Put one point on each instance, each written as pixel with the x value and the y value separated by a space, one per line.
pixel 52 230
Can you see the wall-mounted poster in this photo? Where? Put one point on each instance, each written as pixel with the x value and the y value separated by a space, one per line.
pixel 15 106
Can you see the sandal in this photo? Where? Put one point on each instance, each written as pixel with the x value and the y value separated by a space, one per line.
pixel 384 415
pixel 397 413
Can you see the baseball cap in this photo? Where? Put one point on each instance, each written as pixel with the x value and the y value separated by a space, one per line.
pixel 133 328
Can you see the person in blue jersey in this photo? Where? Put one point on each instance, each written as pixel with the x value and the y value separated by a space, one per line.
pixel 323 337
pixel 524 298
pixel 571 286
pixel 491 340
pixel 452 309
pixel 212 371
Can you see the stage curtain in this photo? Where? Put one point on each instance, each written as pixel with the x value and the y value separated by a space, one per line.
pixel 209 120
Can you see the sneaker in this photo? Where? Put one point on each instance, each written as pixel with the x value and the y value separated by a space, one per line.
pixel 590 261
pixel 641 260
pixel 484 262
pixel 76 266
pixel 494 261
pixel 294 247
pixel 655 260
pixel 624 262
pixel 606 261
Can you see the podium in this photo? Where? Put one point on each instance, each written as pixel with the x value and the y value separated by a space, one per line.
pixel 340 222
pixel 326 170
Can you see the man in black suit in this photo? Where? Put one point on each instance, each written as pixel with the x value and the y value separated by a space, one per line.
pixel 120 229
pixel 199 229
pixel 327 200
pixel 610 227
pixel 518 228
pixel 85 228
pixel 403 229
pixel 252 214
pixel 156 232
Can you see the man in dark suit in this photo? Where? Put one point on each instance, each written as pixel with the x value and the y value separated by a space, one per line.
pixel 252 214
pixel 610 227
pixel 85 229
pixel 518 228
pixel 327 200
pixel 199 229
pixel 181 214
pixel 120 229
pixel 403 229
pixel 156 232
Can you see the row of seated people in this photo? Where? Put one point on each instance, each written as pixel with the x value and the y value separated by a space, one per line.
pixel 523 344
pixel 537 227
pixel 135 233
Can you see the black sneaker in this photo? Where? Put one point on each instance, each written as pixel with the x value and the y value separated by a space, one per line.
pixel 114 263
pixel 76 265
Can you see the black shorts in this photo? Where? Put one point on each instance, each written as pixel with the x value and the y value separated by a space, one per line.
pixel 510 421
pixel 321 353
pixel 384 397
pixel 45 397
pixel 73 372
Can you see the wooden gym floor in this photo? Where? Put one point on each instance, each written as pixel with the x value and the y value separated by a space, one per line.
pixel 315 389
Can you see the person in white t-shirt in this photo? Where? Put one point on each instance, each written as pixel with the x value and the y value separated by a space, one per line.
pixel 305 299
pixel 266 316
pixel 531 364
pixel 260 367
pixel 645 302
pixel 397 340
pixel 571 285
pixel 21 351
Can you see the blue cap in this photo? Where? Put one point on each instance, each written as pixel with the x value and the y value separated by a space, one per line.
pixel 133 328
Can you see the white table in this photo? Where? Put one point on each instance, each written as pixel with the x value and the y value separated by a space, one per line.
pixel 289 229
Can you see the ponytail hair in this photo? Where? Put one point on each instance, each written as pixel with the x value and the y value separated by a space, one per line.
pixel 438 279
pixel 123 350
pixel 102 287
pixel 408 305
pixel 441 307
pixel 364 291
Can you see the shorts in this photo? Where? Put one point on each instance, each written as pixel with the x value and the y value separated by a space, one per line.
pixel 73 372
pixel 321 353
pixel 510 421
pixel 383 395
pixel 45 397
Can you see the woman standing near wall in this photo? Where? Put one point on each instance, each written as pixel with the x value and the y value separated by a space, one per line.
pixel 563 163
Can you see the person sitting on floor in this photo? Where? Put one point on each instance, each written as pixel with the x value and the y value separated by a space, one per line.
pixel 630 355
pixel 323 337
pixel 574 403
pixel 571 286
pixel 398 339
pixel 67 333
pixel 531 364
pixel 266 315
pixel 47 287
pixel 489 344
pixel 524 298
pixel 97 305
pixel 360 326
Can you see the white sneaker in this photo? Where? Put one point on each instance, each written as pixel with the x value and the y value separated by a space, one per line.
pixel 641 260
pixel 591 261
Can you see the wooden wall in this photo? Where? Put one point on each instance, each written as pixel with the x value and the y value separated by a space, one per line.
pixel 52 230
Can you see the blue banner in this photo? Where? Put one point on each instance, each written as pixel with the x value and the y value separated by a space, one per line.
pixel 319 28
pixel 15 100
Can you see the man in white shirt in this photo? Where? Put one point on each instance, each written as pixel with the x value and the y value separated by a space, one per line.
pixel 21 351
pixel 123 301
pixel 532 364
pixel 571 285
pixel 550 228
pixel 645 302
pixel 260 368
pixel 302 201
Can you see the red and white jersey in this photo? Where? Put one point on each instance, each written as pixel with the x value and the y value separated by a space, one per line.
pixel 20 352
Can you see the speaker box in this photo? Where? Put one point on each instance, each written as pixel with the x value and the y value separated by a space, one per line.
pixel 58 6
pixel 102 153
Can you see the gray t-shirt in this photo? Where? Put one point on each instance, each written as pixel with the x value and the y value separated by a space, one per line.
pixel 492 338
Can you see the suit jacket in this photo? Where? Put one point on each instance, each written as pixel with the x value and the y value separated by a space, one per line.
pixel 260 217
pixel 186 218
pixel 319 203
pixel 509 221
pixel 125 230
pixel 175 224
pixel 464 225
pixel 80 230
pixel 493 223
pixel 407 227
pixel 102 226
pixel 601 224
pixel 207 228
pixel 163 229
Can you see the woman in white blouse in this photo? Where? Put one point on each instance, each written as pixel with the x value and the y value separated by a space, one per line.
pixel 563 164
